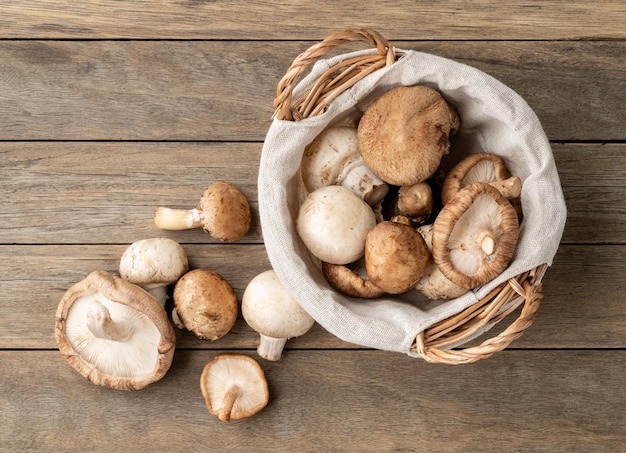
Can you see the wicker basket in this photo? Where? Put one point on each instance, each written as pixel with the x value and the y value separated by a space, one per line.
pixel 440 342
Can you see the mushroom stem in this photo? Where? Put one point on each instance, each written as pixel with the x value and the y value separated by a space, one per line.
pixel 158 291
pixel 228 403
pixel 101 325
pixel 176 219
pixel 509 188
pixel 488 244
pixel 271 348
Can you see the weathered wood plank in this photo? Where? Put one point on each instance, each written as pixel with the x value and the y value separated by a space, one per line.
pixel 451 19
pixel 207 90
pixel 83 192
pixel 361 401
pixel 582 308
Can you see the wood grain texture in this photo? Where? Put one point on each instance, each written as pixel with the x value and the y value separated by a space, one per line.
pixel 450 19
pixel 375 401
pixel 582 307
pixel 89 193
pixel 207 90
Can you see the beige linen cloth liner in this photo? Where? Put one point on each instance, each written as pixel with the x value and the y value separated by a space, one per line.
pixel 494 119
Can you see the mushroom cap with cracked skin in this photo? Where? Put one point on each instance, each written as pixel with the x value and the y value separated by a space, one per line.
pixel 475 235
pixel 205 303
pixel 153 261
pixel 395 256
pixel 225 212
pixel 234 387
pixel 141 358
pixel 403 134
pixel 332 223
pixel 477 167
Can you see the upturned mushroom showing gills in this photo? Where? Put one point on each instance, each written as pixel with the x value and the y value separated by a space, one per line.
pixel 154 264
pixel 234 387
pixel 333 158
pixel 223 212
pixel 395 256
pixel 273 313
pixel 114 333
pixel 333 222
pixel 205 304
pixel 481 167
pixel 475 235
pixel 404 134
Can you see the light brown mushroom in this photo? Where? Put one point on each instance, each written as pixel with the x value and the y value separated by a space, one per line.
pixel 205 304
pixel 415 201
pixel 223 212
pixel 475 235
pixel 348 280
pixel 234 387
pixel 114 333
pixel 403 134
pixel 481 167
pixel 433 284
pixel 395 256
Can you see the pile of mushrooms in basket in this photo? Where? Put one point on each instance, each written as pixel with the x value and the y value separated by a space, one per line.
pixel 115 331
pixel 382 217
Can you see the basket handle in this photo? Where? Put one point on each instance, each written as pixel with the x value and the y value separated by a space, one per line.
pixel 336 80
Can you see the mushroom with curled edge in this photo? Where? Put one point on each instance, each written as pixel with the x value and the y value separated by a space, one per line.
pixel 481 167
pixel 404 134
pixel 234 387
pixel 333 222
pixel 154 264
pixel 273 313
pixel 433 284
pixel 223 212
pixel 333 158
pixel 114 333
pixel 205 304
pixel 395 256
pixel 475 235
pixel 351 280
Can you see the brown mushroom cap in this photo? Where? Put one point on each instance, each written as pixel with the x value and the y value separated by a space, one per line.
pixel 475 235
pixel 224 212
pixel 480 167
pixel 395 256
pixel 403 134
pixel 415 201
pixel 205 303
pixel 345 280
pixel 234 387
pixel 138 357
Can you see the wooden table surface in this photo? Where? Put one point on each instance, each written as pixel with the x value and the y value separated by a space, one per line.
pixel 109 109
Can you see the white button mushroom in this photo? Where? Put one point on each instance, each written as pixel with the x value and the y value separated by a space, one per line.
pixel 234 387
pixel 223 212
pixel 114 333
pixel 333 222
pixel 271 311
pixel 154 264
pixel 333 158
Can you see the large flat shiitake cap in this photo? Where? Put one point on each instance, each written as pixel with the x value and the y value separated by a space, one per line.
pixel 403 134
pixel 114 333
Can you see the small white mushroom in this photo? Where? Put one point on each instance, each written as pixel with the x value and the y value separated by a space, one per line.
pixel 234 387
pixel 114 333
pixel 333 222
pixel 272 312
pixel 154 264
pixel 333 158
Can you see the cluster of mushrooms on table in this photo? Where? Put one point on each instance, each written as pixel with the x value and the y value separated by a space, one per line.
pixel 376 217
pixel 115 330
